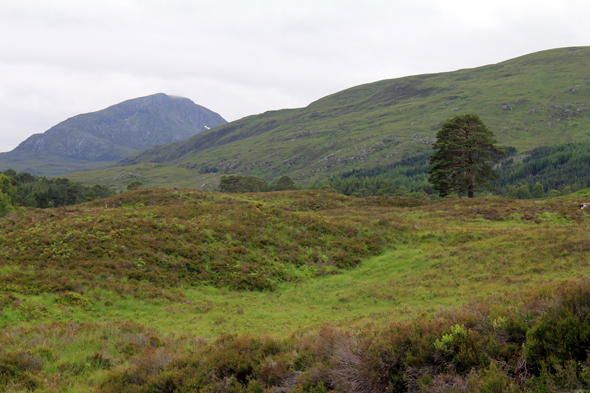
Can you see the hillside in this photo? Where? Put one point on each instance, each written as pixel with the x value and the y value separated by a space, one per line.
pixel 151 175
pixel 144 291
pixel 531 101
pixel 96 139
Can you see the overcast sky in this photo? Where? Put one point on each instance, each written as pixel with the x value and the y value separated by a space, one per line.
pixel 238 58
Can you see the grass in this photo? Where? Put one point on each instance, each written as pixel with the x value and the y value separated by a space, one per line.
pixel 151 175
pixel 578 194
pixel 208 311
pixel 71 300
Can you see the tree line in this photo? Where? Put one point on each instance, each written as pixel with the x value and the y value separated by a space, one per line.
pixel 554 167
pixel 24 189
pixel 465 162
pixel 544 171
pixel 461 165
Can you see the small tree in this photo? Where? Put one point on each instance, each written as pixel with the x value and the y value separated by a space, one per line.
pixel 538 191
pixel 464 148
pixel 5 206
pixel 7 188
pixel 285 183
pixel 519 191
pixel 237 183
pixel 134 185
pixel 523 192
pixel 7 195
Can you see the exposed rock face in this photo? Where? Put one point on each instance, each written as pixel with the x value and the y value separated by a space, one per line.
pixel 123 129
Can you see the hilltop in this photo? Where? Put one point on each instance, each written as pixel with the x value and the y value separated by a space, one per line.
pixel 97 139
pixel 531 101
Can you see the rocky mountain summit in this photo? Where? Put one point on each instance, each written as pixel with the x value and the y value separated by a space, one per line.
pixel 93 139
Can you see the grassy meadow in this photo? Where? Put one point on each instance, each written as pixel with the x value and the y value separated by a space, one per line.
pixel 151 175
pixel 140 290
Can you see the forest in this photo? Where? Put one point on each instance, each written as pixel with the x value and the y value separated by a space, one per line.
pixel 24 189
pixel 545 171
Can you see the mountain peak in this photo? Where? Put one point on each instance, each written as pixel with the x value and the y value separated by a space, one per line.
pixel 115 132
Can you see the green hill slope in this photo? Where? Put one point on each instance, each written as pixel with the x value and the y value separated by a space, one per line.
pixel 534 100
pixel 96 139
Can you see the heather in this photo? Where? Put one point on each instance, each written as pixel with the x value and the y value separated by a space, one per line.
pixel 306 291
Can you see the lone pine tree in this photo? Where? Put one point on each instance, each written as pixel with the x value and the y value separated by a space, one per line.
pixel 464 149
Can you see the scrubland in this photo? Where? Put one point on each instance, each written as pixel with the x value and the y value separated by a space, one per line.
pixel 180 290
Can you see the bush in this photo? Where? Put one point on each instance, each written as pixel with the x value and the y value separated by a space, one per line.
pixel 19 368
pixel 73 299
pixel 134 185
pixel 562 332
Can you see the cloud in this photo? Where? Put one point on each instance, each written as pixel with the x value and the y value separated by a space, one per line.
pixel 245 57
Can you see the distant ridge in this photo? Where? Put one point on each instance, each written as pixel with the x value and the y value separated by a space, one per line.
pixel 540 99
pixel 95 139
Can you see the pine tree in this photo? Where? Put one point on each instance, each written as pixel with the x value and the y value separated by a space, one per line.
pixel 238 183
pixel 464 148
pixel 285 183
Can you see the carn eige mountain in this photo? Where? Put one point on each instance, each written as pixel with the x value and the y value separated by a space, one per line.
pixel 95 139
pixel 531 101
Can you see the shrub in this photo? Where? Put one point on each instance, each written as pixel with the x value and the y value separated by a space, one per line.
pixel 73 299
pixel 99 360
pixel 45 353
pixel 134 185
pixel 558 342
pixel 19 368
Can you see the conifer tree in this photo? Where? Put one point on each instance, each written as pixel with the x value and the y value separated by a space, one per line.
pixel 238 183
pixel 285 183
pixel 464 149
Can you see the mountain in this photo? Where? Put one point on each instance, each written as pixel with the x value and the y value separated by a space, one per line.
pixel 96 139
pixel 531 101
